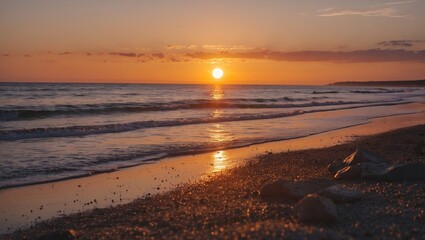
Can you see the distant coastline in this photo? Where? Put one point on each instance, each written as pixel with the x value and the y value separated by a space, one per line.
pixel 410 83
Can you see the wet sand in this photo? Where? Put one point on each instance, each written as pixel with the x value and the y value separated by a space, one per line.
pixel 226 203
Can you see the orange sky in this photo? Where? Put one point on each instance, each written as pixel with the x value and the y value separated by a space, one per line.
pixel 278 42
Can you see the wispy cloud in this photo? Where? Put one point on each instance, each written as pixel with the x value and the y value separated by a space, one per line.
pixel 213 53
pixel 123 54
pixel 370 55
pixel 400 43
pixel 398 3
pixel 382 12
pixel 181 47
pixel 326 9
pixel 210 47
pixel 158 55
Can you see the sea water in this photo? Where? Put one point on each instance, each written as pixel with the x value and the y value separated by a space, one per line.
pixel 52 131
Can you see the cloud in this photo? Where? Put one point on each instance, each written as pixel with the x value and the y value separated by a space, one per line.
pixel 326 9
pixel 123 54
pixel 181 47
pixel 398 3
pixel 158 55
pixel 400 43
pixel 370 55
pixel 226 48
pixel 210 47
pixel 382 12
pixel 209 54
pixel 174 59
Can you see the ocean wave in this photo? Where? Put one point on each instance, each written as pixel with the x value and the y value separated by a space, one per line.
pixel 324 92
pixel 13 113
pixel 73 131
pixel 378 91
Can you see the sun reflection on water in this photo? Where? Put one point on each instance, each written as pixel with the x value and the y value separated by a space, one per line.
pixel 217 113
pixel 217 92
pixel 219 136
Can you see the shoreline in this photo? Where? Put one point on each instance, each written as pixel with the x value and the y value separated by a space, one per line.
pixel 227 205
pixel 209 151
pixel 123 186
pixel 154 159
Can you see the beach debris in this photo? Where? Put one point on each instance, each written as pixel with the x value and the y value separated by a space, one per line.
pixel 369 165
pixel 314 207
pixel 61 235
pixel 362 155
pixel 360 164
pixel 349 172
pixel 283 189
pixel 406 171
pixel 359 156
pixel 339 194
pixel 336 166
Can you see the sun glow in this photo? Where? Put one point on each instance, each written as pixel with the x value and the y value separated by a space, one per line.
pixel 217 73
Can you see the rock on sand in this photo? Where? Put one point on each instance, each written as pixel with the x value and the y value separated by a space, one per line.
pixel 340 194
pixel 314 207
pixel 282 189
pixel 406 171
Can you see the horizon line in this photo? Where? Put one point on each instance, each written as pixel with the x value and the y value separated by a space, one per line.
pixel 217 83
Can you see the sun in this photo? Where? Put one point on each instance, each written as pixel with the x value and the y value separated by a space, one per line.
pixel 217 73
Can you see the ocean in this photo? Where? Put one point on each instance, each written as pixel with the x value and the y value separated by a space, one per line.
pixel 52 131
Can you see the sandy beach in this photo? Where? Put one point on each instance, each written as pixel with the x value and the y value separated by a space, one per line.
pixel 226 204
pixel 212 119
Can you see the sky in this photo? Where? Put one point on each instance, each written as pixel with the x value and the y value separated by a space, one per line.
pixel 182 41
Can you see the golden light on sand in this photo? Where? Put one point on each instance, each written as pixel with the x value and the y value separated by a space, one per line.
pixel 217 73
pixel 220 161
